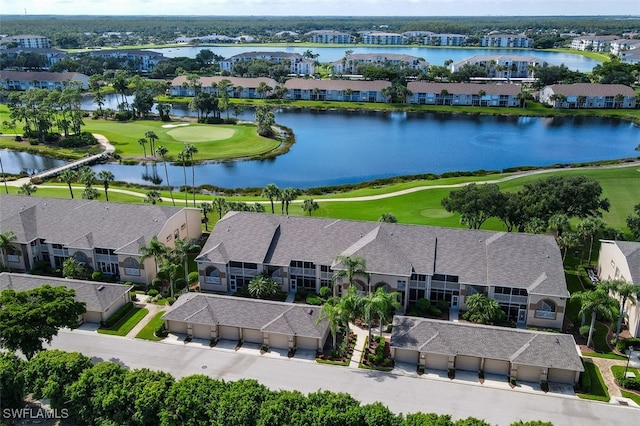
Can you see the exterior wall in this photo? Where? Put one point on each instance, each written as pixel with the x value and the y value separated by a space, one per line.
pixel 526 373
pixel 115 306
pixel 495 366
pixel 211 283
pixel 405 355
pixel 561 376
pixel 93 317
pixel 467 363
pixel 606 102
pixel 436 362
pixel 252 336
pixel 176 327
pixel 308 343
pixel 277 341
pixel 539 320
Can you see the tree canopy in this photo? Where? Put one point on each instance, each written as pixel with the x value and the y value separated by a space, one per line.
pixel 30 318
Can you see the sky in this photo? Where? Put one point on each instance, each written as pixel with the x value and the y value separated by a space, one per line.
pixel 322 7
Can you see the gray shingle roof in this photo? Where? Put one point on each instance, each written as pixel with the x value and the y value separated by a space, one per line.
pixel 97 296
pixel 519 260
pixel 40 76
pixel 82 223
pixel 206 81
pixel 592 89
pixel 541 349
pixel 631 250
pixel 361 85
pixel 463 88
pixel 268 316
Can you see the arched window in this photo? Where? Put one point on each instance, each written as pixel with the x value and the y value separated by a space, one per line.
pixel 81 257
pixel 546 309
pixel 383 285
pixel 212 275
pixel 131 266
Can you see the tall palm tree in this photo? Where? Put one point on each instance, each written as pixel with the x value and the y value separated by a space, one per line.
pixel 6 240
pixel 352 267
pixel 106 176
pixel 220 205
pixel 588 229
pixel 170 269
pixel 566 241
pixel 184 157
pixel 309 205
pixel 271 191
pixel 559 222
pixel 143 142
pixel 626 292
pixel 190 150
pixel 181 253
pixel 287 195
pixel 332 312
pixel 595 302
pixel 27 189
pixel 379 305
pixel 162 152
pixel 151 136
pixel 68 176
pixel 152 197
pixel 206 209
pixel 154 249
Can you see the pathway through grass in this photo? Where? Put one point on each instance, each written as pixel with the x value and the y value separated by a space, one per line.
pixel 126 324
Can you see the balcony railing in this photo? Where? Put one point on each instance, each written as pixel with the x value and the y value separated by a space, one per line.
pixel 522 300
pixel 306 272
pixel 61 252
pixel 212 280
pixel 546 315
pixel 132 271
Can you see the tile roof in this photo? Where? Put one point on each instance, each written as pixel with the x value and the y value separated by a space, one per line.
pixel 97 296
pixel 541 349
pixel 361 85
pixel 592 89
pixel 83 223
pixel 463 88
pixel 268 316
pixel 477 257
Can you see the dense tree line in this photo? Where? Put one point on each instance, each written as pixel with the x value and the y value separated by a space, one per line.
pixel 107 393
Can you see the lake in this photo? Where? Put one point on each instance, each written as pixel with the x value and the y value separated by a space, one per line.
pixel 338 147
pixel 433 55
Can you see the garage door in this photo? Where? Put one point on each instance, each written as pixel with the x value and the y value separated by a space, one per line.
pixel 177 327
pixel 467 363
pixel 307 343
pixel 437 362
pixel 228 333
pixel 528 374
pixel 202 331
pixel 561 376
pixel 494 366
pixel 279 341
pixel 252 336
pixel 92 316
pixel 406 355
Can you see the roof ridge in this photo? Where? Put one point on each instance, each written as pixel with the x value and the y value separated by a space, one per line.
pixel 522 348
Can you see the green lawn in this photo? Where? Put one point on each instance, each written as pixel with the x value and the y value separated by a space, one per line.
pixel 126 324
pixel 627 394
pixel 599 390
pixel 147 331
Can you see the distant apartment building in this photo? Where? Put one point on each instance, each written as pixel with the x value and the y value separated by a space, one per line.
pixel 137 59
pixel 445 40
pixel 382 38
pixel 24 80
pixel 503 66
pixel 507 40
pixel 623 45
pixel 245 88
pixel 593 43
pixel 588 95
pixel 350 63
pixel 336 90
pixel 330 37
pixel 297 63
pixel 51 56
pixel 28 41
pixel 470 94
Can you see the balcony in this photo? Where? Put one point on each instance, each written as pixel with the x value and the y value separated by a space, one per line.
pixel 212 280
pixel 132 271
pixel 508 298
pixel 305 272
pixel 546 315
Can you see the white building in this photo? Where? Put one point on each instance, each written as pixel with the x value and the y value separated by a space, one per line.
pixel 382 38
pixel 349 64
pixel 507 40
pixel 330 37
pixel 445 39
pixel 594 43
pixel 28 41
pixel 297 63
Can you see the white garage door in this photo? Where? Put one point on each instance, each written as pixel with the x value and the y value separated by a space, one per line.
pixel 176 327
pixel 494 366
pixel 252 336
pixel 228 333
pixel 307 343
pixel 202 331
pixel 467 363
pixel 437 362
pixel 406 355
pixel 528 374
pixel 279 341
pixel 92 316
pixel 561 376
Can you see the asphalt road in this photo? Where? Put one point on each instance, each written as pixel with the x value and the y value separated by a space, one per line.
pixel 400 393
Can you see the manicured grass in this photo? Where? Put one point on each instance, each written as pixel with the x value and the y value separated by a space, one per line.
pixel 634 396
pixel 126 324
pixel 600 339
pixel 625 393
pixel 599 390
pixel 609 355
pixel 148 330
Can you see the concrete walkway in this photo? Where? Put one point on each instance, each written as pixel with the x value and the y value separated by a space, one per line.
pixel 607 375
pixel 151 307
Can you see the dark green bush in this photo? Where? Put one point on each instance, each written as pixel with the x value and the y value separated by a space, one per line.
pixel 585 381
pixel 160 331
pixel 153 292
pixel 312 299
pixel 623 344
pixel 117 316
pixel 78 141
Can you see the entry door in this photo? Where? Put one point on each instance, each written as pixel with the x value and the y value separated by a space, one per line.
pixel 522 316
pixel 293 283
pixel 454 301
pixel 232 285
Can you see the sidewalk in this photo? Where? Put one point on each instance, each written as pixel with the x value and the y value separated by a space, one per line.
pixel 151 307
pixel 607 375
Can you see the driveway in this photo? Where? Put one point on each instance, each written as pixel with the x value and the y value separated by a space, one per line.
pixel 400 393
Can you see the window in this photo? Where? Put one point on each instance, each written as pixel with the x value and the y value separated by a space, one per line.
pixel 546 309
pixel 212 275
pixel 131 266
pixel 81 257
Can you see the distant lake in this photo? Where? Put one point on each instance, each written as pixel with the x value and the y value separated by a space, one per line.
pixel 433 55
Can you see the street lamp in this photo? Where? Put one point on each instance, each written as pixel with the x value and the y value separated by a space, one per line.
pixel 628 358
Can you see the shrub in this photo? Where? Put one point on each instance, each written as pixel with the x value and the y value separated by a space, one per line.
pixel 326 292
pixel 584 330
pixel 585 381
pixel 422 306
pixel 193 277
pixel 153 292
pixel 623 344
pixel 312 299
pixel 301 294
pixel 117 316
pixel 230 121
pixel 123 115
pixel 451 373
pixel 51 137
pixel 77 141
pixel 179 284
pixel 160 331
pixel 264 347
pixel 97 276
pixel 18 138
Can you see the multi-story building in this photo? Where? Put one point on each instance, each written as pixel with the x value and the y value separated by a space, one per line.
pixel 588 95
pixel 297 63
pixel 28 41
pixel 137 59
pixel 105 236
pixel 51 56
pixel 507 40
pixel 523 272
pixel 330 37
pixel 336 90
pixel 500 95
pixel 445 39
pixel 624 45
pixel 350 63
pixel 23 80
pixel 594 43
pixel 245 88
pixel 503 66
pixel 382 38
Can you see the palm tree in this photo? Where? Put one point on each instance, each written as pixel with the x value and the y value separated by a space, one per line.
pixel 151 136
pixel 169 269
pixel 6 240
pixel 181 253
pixel 332 312
pixel 143 143
pixel 287 195
pixel 559 222
pixel 580 101
pixel 184 157
pixel 378 305
pixel 106 176
pixel 354 266
pixel 68 176
pixel 589 228
pixel 626 292
pixel 152 197
pixel 309 205
pixel 189 150
pixel 162 152
pixel 154 249
pixel 220 205
pixel 27 189
pixel 262 287
pixel 595 302
pixel 206 209
pixel 566 241
pixel 388 218
pixel 271 191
